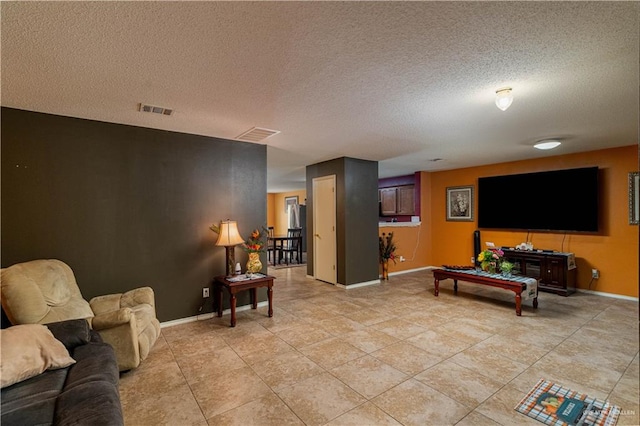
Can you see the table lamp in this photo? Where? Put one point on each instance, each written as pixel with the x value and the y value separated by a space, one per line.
pixel 229 237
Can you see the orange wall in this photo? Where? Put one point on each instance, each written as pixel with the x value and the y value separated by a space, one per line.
pixel 271 210
pixel 276 216
pixel 614 250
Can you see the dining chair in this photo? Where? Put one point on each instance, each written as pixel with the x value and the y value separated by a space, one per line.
pixel 271 245
pixel 293 245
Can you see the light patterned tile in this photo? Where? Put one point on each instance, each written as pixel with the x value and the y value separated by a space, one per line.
pixel 438 344
pixel 332 352
pixel 320 399
pixel 228 391
pixel 193 345
pixel 267 343
pixel 369 376
pixel 369 340
pixel 500 408
pixel 365 414
pixel 266 411
pixel 339 325
pixel 303 335
pixel 489 363
pixel 203 366
pixel 512 349
pixel 463 385
pixel 586 373
pixel 398 328
pixel 174 405
pixel 267 352
pixel 530 377
pixel 414 403
pixel 466 344
pixel 366 317
pixel 286 369
pixel 476 419
pixel 467 330
pixel 406 358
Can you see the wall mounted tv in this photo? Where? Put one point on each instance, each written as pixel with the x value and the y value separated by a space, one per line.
pixel 559 200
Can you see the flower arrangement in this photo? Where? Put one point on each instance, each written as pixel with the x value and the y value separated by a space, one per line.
pixel 256 243
pixel 490 259
pixel 386 248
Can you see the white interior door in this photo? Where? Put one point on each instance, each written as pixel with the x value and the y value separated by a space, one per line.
pixel 324 229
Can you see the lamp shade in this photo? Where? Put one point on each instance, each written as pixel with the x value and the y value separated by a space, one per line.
pixel 229 235
pixel 504 98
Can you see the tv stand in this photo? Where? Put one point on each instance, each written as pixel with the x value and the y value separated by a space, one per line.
pixel 552 270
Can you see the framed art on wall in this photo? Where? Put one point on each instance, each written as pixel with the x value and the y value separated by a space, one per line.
pixel 290 201
pixel 460 203
pixel 634 198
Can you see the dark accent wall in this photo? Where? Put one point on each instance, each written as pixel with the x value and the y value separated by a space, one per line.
pixel 356 217
pixel 127 206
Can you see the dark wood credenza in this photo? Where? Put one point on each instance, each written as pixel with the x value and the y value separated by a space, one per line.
pixel 552 269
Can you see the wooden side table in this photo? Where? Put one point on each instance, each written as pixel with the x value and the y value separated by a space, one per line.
pixel 236 286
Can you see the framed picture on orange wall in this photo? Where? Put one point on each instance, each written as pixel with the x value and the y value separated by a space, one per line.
pixel 634 198
pixel 460 203
pixel 290 201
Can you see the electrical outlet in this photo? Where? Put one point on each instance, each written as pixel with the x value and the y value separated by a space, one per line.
pixel 402 259
pixel 473 260
pixel 205 292
pixel 595 274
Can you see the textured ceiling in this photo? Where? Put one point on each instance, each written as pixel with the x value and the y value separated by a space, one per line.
pixel 400 83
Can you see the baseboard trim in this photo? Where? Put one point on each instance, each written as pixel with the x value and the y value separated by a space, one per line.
pixel 603 294
pixel 362 284
pixel 408 271
pixel 209 315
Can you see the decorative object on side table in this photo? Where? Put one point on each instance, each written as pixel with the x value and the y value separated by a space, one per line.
pixel 490 260
pixel 386 250
pixel 229 237
pixel 255 244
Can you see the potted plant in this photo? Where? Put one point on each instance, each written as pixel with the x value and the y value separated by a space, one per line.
pixel 386 251
pixel 506 267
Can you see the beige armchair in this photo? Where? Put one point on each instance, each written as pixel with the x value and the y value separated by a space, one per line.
pixel 44 291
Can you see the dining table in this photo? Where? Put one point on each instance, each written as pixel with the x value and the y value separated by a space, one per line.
pixel 280 243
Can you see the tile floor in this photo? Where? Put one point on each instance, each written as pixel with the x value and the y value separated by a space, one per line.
pixel 387 354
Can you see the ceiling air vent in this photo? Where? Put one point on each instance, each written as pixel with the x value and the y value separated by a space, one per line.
pixel 154 109
pixel 257 134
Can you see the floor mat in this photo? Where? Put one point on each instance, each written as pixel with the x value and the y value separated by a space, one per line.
pixel 555 405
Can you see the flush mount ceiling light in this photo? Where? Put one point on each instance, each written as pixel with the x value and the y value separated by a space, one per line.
pixel 504 98
pixel 547 144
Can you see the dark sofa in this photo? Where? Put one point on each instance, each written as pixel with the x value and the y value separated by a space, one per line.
pixel 85 393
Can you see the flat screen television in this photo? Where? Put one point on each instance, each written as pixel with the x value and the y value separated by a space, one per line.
pixel 559 200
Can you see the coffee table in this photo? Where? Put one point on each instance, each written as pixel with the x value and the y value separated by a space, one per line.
pixel 516 284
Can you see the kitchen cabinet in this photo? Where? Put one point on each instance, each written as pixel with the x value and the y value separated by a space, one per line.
pixel 397 200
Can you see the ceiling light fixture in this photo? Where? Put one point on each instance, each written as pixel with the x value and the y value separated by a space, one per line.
pixel 504 98
pixel 547 144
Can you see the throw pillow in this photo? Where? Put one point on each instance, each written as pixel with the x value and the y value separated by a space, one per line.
pixel 28 350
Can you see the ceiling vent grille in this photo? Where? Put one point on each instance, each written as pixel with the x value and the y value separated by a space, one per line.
pixel 257 134
pixel 154 109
